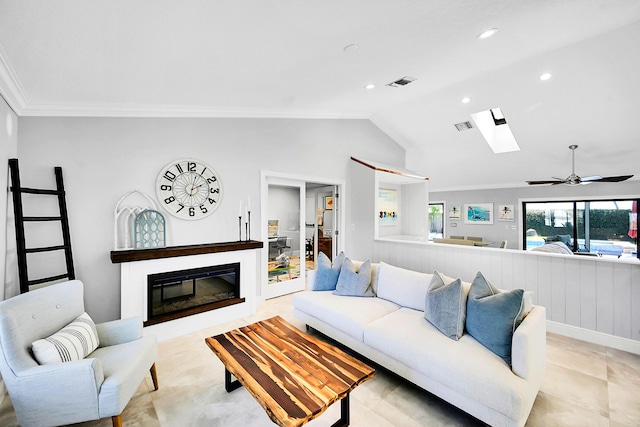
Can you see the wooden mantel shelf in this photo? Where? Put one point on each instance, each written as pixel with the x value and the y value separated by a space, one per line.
pixel 129 255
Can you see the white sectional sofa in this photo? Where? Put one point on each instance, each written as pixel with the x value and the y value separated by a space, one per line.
pixel 464 373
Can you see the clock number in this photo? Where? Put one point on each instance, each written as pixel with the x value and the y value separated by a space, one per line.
pixel 191 166
pixel 179 168
pixel 203 169
pixel 203 209
pixel 170 200
pixel 165 187
pixel 168 175
pixel 211 201
pixel 192 211
pixel 215 190
pixel 212 180
pixel 181 207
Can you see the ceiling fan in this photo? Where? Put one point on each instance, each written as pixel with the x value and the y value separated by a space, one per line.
pixel 574 179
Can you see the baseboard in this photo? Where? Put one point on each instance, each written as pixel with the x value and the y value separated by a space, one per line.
pixel 619 343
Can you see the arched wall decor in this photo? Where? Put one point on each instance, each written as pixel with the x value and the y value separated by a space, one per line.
pixel 124 216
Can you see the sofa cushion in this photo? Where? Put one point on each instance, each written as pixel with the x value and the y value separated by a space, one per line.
pixel 493 316
pixel 446 304
pixel 465 366
pixel 347 314
pixel 404 287
pixel 73 342
pixel 352 282
pixel 328 272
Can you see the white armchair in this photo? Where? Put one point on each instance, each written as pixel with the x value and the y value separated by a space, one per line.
pixel 98 386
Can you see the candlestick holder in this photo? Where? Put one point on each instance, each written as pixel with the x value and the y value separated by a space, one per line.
pixel 240 228
pixel 249 222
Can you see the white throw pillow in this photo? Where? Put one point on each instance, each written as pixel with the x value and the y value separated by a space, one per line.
pixel 407 288
pixel 73 342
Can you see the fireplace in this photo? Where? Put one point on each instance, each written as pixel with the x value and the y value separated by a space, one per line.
pixel 176 294
pixel 136 265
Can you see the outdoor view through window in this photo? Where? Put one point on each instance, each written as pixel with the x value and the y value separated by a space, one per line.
pixel 603 227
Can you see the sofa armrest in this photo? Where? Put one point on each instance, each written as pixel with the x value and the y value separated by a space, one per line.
pixel 528 346
pixel 119 331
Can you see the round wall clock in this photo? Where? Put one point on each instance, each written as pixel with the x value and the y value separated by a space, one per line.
pixel 189 189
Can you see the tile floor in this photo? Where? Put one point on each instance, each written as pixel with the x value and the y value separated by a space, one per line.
pixel 585 385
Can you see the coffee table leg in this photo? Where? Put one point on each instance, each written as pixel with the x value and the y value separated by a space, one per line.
pixel 344 413
pixel 231 385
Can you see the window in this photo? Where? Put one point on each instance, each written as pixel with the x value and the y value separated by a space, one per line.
pixel 436 220
pixel 603 227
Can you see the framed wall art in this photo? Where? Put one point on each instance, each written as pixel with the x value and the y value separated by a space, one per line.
pixel 478 213
pixel 455 212
pixel 328 203
pixel 506 213
pixel 388 205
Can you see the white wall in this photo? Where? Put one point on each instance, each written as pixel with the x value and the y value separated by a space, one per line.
pixel 103 158
pixel 8 148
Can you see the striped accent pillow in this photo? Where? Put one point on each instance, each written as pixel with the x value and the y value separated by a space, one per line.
pixel 73 342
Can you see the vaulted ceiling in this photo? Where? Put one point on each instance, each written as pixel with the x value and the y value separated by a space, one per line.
pixel 292 58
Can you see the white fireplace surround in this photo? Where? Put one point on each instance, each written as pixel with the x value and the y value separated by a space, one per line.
pixel 133 284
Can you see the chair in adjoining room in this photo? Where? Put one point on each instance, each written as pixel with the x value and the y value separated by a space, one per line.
pixel 309 249
pixel 61 368
pixel 281 245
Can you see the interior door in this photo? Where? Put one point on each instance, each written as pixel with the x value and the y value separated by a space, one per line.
pixel 285 254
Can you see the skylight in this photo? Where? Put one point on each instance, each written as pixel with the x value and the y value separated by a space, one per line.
pixel 495 130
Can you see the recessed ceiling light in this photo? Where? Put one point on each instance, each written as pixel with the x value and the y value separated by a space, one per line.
pixel 370 86
pixel 545 76
pixel 466 100
pixel 487 33
pixel 351 48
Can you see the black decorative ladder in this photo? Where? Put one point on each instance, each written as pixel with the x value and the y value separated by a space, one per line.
pixel 20 219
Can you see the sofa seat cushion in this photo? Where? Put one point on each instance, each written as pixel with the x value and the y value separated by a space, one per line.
pixel 465 366
pixel 345 313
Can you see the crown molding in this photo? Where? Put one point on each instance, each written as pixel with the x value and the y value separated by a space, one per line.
pixel 10 88
pixel 149 110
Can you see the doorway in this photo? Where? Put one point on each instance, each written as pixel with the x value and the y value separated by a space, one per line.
pixel 300 217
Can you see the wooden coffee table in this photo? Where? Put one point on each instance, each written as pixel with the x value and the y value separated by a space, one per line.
pixel 294 376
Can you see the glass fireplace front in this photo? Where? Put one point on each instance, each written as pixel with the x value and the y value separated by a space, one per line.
pixel 182 293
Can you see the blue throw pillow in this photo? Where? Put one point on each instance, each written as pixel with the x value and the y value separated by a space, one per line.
pixel 492 316
pixel 446 305
pixel 352 283
pixel 327 275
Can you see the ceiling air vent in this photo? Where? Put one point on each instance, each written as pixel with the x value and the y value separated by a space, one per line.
pixel 463 126
pixel 402 82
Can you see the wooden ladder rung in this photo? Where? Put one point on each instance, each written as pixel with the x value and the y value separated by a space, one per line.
pixel 36 191
pixel 47 279
pixel 42 218
pixel 45 249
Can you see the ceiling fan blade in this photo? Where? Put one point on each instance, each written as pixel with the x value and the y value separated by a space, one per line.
pixel 544 182
pixel 619 178
pixel 591 178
